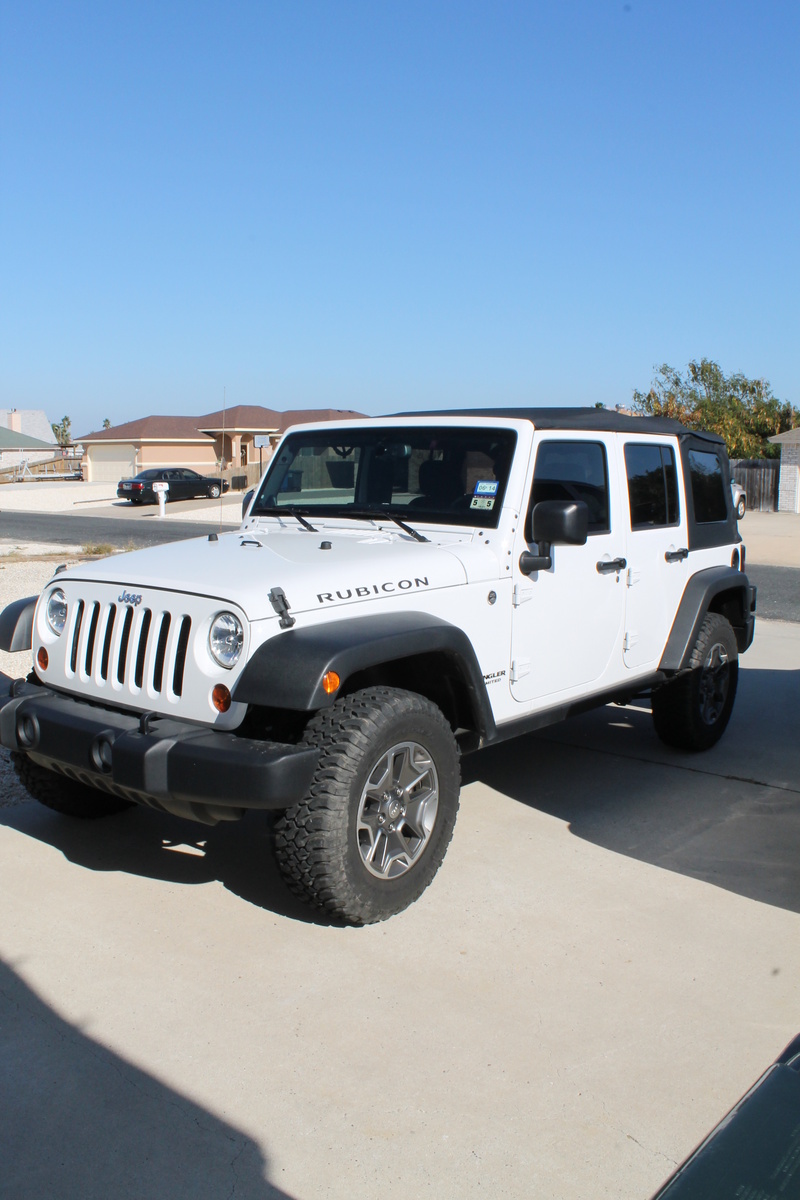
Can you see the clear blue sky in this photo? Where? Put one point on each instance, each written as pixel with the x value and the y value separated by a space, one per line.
pixel 382 204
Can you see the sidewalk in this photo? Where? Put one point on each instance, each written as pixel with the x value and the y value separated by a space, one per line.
pixel 94 499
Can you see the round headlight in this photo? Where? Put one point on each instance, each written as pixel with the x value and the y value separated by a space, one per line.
pixel 56 611
pixel 225 639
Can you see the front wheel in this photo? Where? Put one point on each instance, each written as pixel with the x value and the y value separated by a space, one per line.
pixel 213 491
pixel 692 711
pixel 740 508
pixel 374 829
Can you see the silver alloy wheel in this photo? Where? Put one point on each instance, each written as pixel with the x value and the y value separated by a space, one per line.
pixel 714 683
pixel 397 810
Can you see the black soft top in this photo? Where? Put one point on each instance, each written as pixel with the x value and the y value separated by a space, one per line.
pixel 598 419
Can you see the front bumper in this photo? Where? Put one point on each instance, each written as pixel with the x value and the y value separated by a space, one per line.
pixel 189 770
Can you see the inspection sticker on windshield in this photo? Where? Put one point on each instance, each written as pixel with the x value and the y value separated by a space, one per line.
pixel 486 487
pixel 482 502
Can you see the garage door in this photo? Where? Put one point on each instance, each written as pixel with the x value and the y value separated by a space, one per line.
pixel 109 464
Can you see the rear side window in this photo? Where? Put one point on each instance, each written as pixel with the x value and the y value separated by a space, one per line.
pixel 652 485
pixel 708 487
pixel 572 471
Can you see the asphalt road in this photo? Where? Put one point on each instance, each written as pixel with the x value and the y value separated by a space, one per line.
pixel 778 587
pixel 128 527
pixel 778 592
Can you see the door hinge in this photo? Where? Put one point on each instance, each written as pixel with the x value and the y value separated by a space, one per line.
pixel 633 576
pixel 520 667
pixel 521 594
pixel 630 641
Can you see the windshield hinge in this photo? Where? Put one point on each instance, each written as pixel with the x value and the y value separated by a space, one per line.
pixel 277 599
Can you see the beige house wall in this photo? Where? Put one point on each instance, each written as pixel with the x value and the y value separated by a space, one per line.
pixel 200 458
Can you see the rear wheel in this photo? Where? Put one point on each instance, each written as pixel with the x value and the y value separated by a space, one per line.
pixel 380 813
pixel 740 508
pixel 692 712
pixel 64 795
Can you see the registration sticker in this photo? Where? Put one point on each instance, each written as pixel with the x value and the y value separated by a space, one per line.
pixel 482 502
pixel 486 487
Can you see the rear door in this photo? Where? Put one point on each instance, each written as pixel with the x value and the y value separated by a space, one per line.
pixel 657 547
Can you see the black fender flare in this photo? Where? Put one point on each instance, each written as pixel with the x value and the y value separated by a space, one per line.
pixel 16 625
pixel 287 670
pixel 696 601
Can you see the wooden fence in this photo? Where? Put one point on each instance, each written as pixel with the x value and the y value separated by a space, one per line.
pixel 759 478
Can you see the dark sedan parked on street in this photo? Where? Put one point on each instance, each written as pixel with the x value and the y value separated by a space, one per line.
pixel 183 485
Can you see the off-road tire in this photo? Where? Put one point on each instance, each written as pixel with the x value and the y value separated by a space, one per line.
pixel 63 795
pixel 692 711
pixel 319 843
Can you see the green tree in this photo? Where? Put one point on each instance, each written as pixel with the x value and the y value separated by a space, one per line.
pixel 106 423
pixel 62 432
pixel 742 411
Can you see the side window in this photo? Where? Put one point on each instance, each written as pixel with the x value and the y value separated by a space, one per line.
pixel 708 487
pixel 572 471
pixel 652 485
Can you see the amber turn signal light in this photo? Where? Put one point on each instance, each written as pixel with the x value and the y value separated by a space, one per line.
pixel 330 682
pixel 42 659
pixel 221 697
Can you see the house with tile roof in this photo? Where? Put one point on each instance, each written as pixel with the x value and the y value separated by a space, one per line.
pixel 223 440
pixel 26 436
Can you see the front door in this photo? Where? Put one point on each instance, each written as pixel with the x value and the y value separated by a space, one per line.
pixel 568 621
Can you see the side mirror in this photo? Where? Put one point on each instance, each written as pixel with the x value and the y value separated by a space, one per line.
pixel 561 522
pixel 554 522
pixel 248 496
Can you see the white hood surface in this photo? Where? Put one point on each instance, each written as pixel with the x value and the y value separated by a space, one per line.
pixel 244 566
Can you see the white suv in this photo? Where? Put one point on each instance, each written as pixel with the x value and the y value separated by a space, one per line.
pixel 401 590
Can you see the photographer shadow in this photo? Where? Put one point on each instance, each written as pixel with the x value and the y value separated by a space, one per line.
pixel 79 1121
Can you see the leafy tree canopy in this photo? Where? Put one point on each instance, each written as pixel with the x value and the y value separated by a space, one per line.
pixel 742 411
pixel 62 431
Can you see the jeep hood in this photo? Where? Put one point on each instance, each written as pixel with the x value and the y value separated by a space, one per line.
pixel 321 570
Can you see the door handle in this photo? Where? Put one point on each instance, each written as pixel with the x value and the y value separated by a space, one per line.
pixel 676 555
pixel 609 568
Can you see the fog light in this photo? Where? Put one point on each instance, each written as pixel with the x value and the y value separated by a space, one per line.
pixel 42 659
pixel 101 754
pixel 221 697
pixel 27 731
pixel 330 682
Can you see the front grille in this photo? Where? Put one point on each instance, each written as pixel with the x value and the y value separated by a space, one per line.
pixel 127 649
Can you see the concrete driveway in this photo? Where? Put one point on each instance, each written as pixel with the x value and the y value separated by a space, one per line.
pixel 606 961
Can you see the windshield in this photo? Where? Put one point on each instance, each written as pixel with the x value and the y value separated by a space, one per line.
pixel 420 474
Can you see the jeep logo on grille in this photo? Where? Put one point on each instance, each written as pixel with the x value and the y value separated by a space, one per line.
pixel 129 598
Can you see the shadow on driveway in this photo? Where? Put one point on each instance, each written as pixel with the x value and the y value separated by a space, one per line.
pixel 80 1123
pixel 729 816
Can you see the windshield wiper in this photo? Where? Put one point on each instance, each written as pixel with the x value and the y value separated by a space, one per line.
pixel 380 514
pixel 284 510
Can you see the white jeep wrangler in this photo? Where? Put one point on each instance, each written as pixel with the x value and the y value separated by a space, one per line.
pixel 400 590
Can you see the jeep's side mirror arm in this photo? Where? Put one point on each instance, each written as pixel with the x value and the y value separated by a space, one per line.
pixel 528 563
